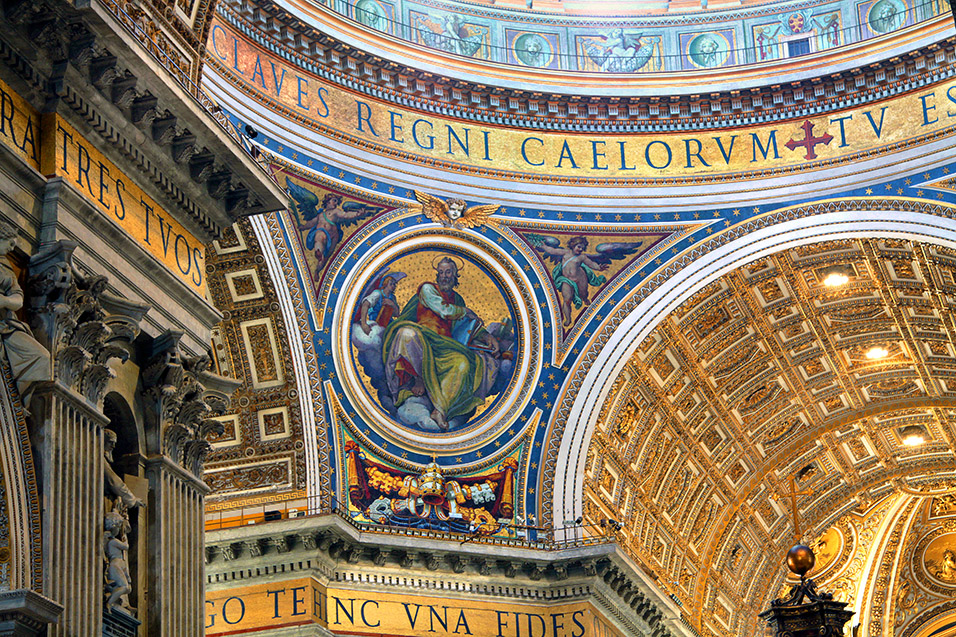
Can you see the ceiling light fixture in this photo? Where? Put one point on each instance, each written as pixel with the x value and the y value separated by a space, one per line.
pixel 913 435
pixel 835 280
pixel 876 353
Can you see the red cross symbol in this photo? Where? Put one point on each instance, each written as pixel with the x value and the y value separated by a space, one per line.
pixel 809 141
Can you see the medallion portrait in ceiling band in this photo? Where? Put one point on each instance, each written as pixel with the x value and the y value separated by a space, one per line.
pixel 433 339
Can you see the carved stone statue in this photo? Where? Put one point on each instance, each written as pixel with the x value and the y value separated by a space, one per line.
pixel 116 527
pixel 28 359
pixel 118 580
pixel 116 489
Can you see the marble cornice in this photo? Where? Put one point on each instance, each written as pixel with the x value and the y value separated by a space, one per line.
pixel 87 68
pixel 329 548
pixel 355 544
pixel 283 34
pixel 27 612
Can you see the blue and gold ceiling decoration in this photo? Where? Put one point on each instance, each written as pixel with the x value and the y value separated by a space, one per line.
pixel 454 318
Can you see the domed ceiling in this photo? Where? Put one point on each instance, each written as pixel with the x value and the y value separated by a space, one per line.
pixel 626 38
pixel 607 356
pixel 833 364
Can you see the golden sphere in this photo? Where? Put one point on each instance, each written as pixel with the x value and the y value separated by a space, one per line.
pixel 800 559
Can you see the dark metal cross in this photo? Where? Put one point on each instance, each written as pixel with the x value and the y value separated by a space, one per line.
pixel 809 141
pixel 794 511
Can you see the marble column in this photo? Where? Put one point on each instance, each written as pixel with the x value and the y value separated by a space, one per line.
pixel 176 571
pixel 68 439
pixel 182 399
pixel 85 330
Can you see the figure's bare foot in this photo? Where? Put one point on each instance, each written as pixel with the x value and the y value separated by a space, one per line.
pixel 439 418
pixel 567 320
pixel 417 388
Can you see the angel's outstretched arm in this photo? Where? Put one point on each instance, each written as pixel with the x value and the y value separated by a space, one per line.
pixel 557 251
pixel 353 215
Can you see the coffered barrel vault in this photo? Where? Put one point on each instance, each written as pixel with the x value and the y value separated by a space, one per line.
pixel 765 374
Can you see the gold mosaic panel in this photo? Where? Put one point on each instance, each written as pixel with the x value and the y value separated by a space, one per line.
pixel 769 373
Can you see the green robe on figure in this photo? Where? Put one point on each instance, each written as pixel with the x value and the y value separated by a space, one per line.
pixel 593 278
pixel 422 343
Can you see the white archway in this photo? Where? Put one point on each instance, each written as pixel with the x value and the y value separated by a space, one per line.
pixel 849 222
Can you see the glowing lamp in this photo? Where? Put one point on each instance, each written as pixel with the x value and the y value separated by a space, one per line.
pixel 913 436
pixel 835 280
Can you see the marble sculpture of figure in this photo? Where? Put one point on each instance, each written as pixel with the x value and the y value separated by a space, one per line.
pixel 116 489
pixel 116 526
pixel 29 360
pixel 118 580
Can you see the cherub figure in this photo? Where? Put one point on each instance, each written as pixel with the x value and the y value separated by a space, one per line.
pixel 454 212
pixel 118 580
pixel 456 208
pixel 576 271
pixel 458 39
pixel 324 223
pixel 621 44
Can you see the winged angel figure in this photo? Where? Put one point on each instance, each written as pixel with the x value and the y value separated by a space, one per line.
pixel 575 271
pixel 621 52
pixel 323 223
pixel 453 212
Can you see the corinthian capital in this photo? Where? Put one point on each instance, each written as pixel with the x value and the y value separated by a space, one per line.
pixel 185 398
pixel 83 326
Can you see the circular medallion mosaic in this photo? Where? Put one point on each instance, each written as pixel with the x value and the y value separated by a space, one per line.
pixel 886 15
pixel 939 560
pixel 371 14
pixel 533 50
pixel 709 50
pixel 436 342
pixel 828 550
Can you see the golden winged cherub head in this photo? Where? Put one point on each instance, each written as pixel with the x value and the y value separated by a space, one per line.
pixel 454 212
